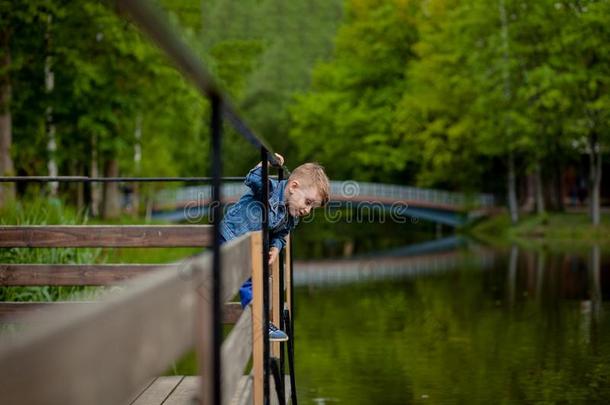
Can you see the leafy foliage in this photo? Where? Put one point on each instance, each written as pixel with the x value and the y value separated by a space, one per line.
pixel 410 91
pixel 435 92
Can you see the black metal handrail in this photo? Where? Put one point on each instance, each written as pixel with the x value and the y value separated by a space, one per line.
pixel 87 179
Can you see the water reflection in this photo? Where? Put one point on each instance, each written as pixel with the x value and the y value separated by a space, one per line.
pixel 426 258
pixel 532 327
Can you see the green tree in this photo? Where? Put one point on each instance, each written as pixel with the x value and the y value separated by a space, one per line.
pixel 586 76
pixel 345 121
pixel 16 31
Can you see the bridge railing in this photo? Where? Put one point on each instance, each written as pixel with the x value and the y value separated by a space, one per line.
pixel 395 192
pixel 106 351
pixel 154 24
pixel 340 190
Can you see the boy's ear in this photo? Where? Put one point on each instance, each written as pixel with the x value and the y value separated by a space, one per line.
pixel 293 184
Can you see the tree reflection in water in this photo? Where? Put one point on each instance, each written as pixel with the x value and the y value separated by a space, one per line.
pixel 532 329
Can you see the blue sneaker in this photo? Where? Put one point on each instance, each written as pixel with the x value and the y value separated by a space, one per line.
pixel 276 335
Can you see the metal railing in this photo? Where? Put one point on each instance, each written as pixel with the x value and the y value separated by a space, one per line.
pixel 152 22
pixel 357 191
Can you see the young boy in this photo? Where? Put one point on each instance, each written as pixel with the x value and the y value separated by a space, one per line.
pixel 306 188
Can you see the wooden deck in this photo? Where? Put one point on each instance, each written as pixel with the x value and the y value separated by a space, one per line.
pixel 183 390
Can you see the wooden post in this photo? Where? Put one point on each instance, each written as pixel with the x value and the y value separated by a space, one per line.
pixel 276 305
pixel 257 319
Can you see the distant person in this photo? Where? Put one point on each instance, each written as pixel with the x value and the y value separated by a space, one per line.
pixel 306 188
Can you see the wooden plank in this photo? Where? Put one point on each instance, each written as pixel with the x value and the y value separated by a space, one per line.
pixel 257 320
pixel 158 391
pixel 235 352
pixel 18 311
pixel 141 390
pixel 236 265
pixel 11 311
pixel 106 351
pixel 186 393
pixel 275 303
pixel 235 262
pixel 231 312
pixel 243 395
pixel 105 236
pixel 71 274
pixel 273 397
pixel 287 389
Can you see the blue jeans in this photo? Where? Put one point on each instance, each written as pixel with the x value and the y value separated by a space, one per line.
pixel 245 291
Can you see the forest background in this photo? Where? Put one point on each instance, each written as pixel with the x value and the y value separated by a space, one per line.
pixel 452 94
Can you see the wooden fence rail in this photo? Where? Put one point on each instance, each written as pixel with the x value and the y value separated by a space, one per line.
pixel 72 274
pixel 13 312
pixel 106 236
pixel 102 354
pixel 106 351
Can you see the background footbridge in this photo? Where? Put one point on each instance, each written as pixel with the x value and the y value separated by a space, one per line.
pixel 402 202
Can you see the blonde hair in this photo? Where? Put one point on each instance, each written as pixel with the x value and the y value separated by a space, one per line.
pixel 312 174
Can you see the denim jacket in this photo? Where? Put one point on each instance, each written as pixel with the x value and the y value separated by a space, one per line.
pixel 245 215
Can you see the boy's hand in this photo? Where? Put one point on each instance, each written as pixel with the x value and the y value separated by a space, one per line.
pixel 280 159
pixel 273 254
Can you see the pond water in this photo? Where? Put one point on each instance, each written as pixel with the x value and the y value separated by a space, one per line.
pixel 528 326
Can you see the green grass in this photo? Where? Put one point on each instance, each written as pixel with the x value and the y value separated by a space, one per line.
pixel 45 212
pixel 55 212
pixel 554 230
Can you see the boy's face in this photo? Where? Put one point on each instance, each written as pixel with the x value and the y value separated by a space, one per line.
pixel 300 199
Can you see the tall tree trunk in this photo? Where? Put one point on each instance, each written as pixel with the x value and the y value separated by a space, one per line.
pixel 558 175
pixel 96 195
pixel 112 196
pixel 513 206
pixel 49 80
pixel 595 178
pixel 539 189
pixel 7 190
pixel 529 201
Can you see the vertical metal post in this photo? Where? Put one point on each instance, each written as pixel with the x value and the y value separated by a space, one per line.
pixel 293 390
pixel 282 259
pixel 292 289
pixel 216 126
pixel 265 232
